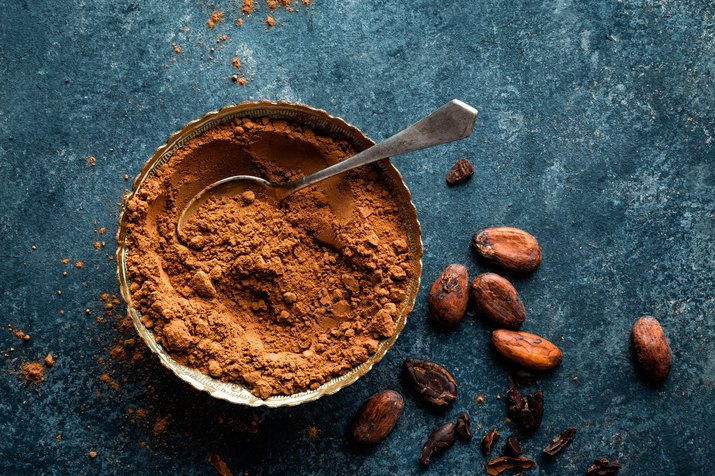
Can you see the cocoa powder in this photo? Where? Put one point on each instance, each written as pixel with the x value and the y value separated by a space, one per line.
pixel 278 298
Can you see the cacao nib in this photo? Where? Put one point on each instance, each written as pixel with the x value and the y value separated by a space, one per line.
pixel 560 441
pixel 526 411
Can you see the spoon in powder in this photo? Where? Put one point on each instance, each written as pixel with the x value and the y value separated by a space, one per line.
pixel 451 122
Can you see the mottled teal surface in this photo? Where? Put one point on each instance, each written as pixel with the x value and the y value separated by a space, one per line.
pixel 595 134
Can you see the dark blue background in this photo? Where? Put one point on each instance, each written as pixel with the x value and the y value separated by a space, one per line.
pixel 595 134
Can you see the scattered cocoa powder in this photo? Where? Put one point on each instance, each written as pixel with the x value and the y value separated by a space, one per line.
pixel 34 372
pixel 78 264
pixel 92 160
pixel 216 18
pixel 247 7
pixel 236 63
pixel 270 21
pixel 279 299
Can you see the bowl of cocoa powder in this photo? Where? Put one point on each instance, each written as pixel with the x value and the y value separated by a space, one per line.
pixel 268 304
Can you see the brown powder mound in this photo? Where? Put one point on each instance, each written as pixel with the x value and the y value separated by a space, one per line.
pixel 34 372
pixel 279 299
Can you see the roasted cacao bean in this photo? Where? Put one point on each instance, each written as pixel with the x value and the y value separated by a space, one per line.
pixel 377 417
pixel 449 296
pixel 432 382
pixel 497 300
pixel 439 441
pixel 508 247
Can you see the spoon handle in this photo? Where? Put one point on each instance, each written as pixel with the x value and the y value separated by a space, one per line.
pixel 451 122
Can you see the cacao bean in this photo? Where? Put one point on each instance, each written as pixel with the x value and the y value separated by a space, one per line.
pixel 651 349
pixel 497 300
pixel 527 350
pixel 439 441
pixel 508 247
pixel 377 417
pixel 449 296
pixel 431 381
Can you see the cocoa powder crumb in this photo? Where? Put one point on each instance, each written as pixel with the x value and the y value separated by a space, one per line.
pixel 34 372
pixel 92 454
pixel 216 18
pixel 78 264
pixel 49 360
pixel 270 21
pixel 247 7
pixel 236 62
pixel 280 300
pixel 92 160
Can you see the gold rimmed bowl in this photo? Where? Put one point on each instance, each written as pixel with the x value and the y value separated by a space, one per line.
pixel 323 123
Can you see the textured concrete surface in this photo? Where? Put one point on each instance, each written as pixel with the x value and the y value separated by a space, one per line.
pixel 595 134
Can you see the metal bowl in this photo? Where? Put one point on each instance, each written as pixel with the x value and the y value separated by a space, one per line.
pixel 324 123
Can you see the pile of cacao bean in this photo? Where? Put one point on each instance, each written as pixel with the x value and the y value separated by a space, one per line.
pixel 496 300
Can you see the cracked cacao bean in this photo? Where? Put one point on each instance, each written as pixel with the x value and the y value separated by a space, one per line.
pixel 439 441
pixel 512 447
pixel 460 171
pixel 464 431
pixel 525 411
pixel 497 300
pixel 377 417
pixel 449 296
pixel 508 247
pixel 503 463
pixel 603 467
pixel 651 349
pixel 489 440
pixel 433 383
pixel 560 442
pixel 527 350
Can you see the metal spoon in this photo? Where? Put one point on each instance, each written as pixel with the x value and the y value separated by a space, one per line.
pixel 451 122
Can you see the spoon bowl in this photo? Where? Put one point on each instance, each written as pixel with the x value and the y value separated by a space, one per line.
pixel 453 121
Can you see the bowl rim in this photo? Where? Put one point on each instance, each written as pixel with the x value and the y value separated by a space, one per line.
pixel 233 392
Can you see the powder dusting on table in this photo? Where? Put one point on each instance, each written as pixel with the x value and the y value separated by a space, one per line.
pixel 279 299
